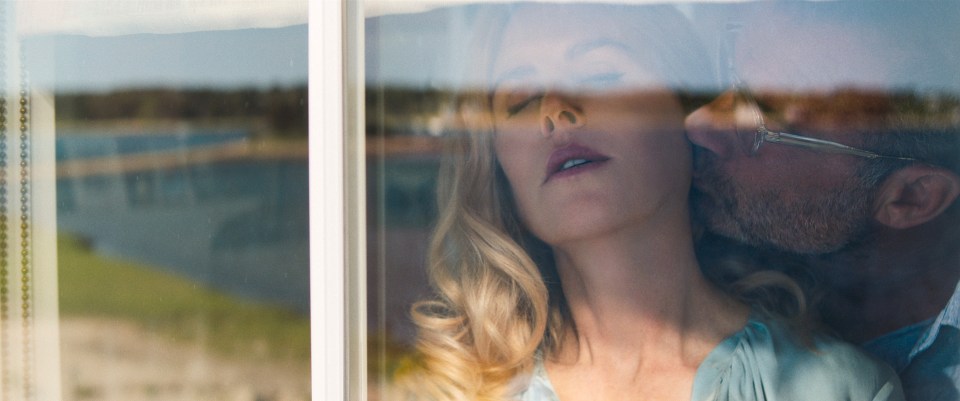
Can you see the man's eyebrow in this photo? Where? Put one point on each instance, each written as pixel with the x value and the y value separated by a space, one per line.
pixel 585 47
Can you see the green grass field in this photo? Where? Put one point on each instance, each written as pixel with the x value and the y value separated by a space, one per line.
pixel 96 286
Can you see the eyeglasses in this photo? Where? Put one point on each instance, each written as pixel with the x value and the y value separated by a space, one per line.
pixel 754 133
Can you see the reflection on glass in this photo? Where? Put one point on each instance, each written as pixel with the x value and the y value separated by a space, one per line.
pixel 878 77
pixel 182 204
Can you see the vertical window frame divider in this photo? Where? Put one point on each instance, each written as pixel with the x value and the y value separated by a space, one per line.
pixel 327 200
pixel 355 195
pixel 43 233
pixel 337 201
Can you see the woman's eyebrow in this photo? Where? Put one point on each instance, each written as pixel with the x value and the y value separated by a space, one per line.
pixel 586 47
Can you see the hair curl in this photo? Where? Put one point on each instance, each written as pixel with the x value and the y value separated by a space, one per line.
pixel 498 297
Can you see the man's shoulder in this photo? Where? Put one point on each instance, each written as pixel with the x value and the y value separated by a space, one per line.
pixel 934 373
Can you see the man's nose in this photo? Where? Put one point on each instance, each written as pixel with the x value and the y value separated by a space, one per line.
pixel 713 126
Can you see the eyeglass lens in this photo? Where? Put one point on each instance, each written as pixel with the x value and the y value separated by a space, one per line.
pixel 747 122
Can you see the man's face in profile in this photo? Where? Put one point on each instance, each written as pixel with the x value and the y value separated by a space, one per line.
pixel 806 82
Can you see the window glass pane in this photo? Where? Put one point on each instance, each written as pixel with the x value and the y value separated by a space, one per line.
pixel 181 236
pixel 513 149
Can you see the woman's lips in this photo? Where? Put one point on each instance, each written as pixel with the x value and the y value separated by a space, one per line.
pixel 572 159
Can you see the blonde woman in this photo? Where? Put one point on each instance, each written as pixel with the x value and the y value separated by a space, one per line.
pixel 563 258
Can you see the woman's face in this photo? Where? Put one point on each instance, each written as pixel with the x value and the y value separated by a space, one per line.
pixel 589 136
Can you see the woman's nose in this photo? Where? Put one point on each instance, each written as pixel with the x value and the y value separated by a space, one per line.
pixel 558 114
pixel 713 126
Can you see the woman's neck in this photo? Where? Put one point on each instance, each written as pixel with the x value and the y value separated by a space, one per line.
pixel 621 291
pixel 640 305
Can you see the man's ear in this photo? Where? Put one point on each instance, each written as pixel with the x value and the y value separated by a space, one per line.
pixel 915 195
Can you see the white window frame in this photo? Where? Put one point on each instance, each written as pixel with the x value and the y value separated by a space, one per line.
pixel 337 201
pixel 327 264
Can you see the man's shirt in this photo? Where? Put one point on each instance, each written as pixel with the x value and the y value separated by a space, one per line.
pixel 926 355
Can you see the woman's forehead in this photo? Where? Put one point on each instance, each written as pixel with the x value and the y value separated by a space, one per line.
pixel 552 23
pixel 557 34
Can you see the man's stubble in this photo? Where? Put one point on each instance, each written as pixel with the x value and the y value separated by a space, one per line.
pixel 815 222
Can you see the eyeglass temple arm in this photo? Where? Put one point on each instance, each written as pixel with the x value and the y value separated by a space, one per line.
pixel 822 145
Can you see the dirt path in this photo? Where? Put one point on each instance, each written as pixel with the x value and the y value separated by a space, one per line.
pixel 108 360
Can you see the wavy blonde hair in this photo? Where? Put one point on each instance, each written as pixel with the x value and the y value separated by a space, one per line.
pixel 498 298
pixel 491 310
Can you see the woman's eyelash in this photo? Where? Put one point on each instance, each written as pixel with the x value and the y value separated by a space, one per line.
pixel 517 107
pixel 595 81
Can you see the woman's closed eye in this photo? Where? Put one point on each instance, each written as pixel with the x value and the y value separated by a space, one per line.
pixel 519 101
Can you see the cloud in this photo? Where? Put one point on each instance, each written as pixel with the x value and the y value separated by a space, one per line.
pixel 374 8
pixel 120 17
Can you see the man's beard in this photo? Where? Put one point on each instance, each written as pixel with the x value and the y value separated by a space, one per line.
pixel 820 222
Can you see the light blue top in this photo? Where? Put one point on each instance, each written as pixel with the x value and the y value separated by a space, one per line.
pixel 927 355
pixel 763 361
